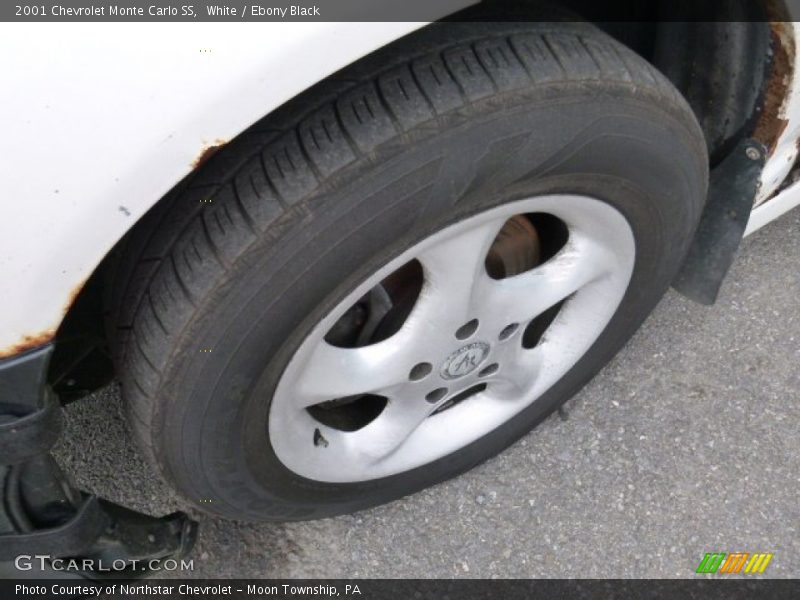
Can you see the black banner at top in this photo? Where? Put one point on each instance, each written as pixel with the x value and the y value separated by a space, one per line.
pixel 195 11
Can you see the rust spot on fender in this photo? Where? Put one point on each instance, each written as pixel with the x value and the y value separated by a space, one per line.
pixel 34 340
pixel 772 122
pixel 73 295
pixel 28 342
pixel 207 152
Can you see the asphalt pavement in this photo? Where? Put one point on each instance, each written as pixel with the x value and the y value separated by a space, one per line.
pixel 687 442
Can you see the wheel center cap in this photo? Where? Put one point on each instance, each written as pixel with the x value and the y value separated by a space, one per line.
pixel 464 360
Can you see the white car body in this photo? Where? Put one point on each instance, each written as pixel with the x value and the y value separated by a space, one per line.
pixel 99 121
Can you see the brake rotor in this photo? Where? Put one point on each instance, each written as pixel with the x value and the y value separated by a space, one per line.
pixel 516 249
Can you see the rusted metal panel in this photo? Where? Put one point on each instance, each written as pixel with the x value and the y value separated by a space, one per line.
pixel 778 124
pixel 35 340
pixel 773 120
pixel 207 152
pixel 28 342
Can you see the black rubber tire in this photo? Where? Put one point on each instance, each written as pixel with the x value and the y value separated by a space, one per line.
pixel 219 283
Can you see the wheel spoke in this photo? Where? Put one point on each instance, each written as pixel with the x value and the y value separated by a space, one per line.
pixel 520 298
pixel 333 372
pixel 453 268
pixel 518 371
pixel 387 433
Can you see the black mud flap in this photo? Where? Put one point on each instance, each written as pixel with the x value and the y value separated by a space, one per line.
pixel 732 188
pixel 43 515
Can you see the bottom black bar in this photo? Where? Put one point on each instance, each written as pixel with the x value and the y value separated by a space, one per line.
pixel 412 589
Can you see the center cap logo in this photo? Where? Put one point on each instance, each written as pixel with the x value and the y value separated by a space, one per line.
pixel 464 360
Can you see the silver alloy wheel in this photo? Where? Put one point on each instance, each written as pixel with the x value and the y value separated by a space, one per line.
pixel 591 271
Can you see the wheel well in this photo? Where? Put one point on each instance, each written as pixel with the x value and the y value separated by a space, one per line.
pixel 719 55
pixel 722 67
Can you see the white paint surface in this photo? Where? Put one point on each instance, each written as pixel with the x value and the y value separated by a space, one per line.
pixel 767 212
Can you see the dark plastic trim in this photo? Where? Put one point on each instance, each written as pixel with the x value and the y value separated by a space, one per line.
pixel 723 222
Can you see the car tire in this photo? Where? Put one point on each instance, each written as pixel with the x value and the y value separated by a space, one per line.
pixel 220 286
